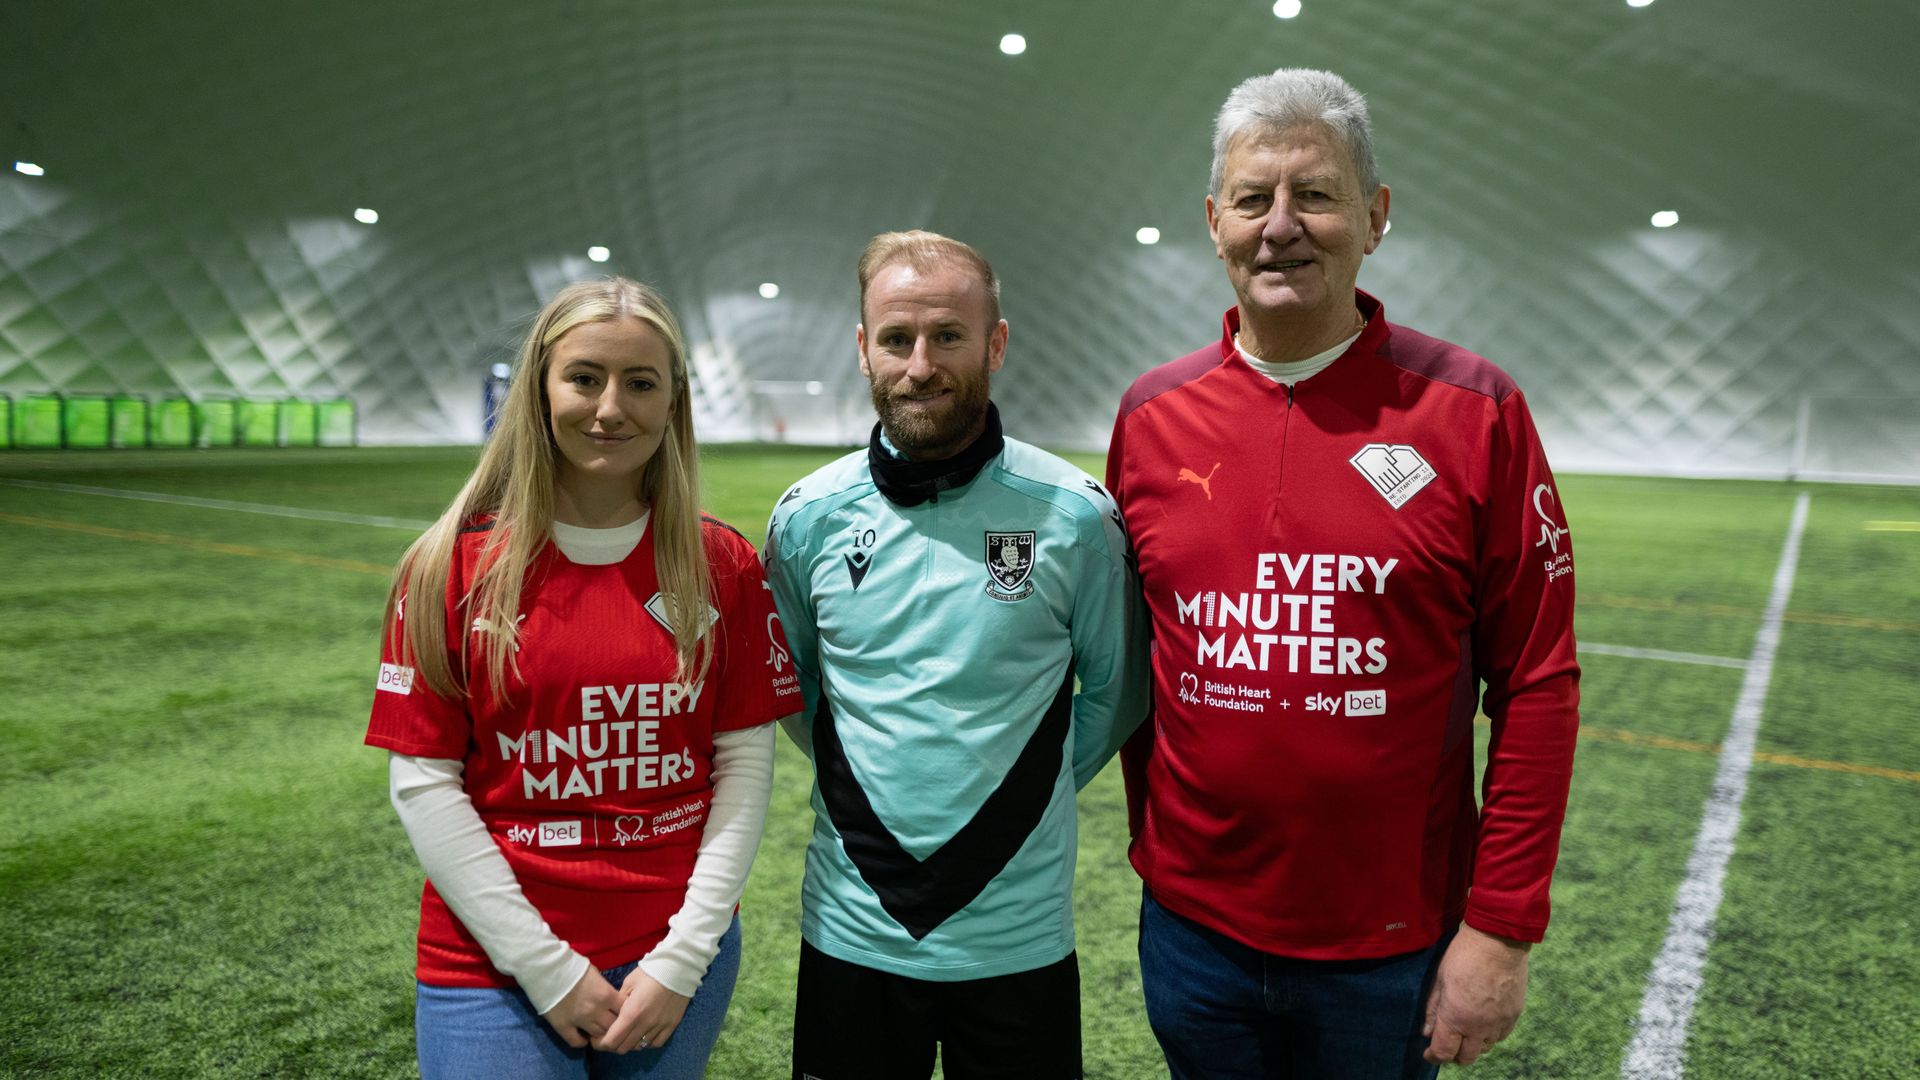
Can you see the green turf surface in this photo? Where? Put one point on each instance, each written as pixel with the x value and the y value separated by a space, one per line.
pixel 204 879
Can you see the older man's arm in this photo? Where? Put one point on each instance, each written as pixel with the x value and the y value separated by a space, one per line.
pixel 1524 650
pixel 1477 995
pixel 786 580
pixel 1109 640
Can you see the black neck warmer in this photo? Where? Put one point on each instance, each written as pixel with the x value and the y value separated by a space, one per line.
pixel 910 483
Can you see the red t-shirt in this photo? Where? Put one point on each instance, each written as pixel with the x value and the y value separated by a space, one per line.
pixel 593 774
pixel 1334 571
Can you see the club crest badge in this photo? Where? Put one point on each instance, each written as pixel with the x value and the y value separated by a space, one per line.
pixel 657 607
pixel 1009 564
pixel 1396 471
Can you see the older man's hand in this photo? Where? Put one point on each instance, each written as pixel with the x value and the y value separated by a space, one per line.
pixel 1477 996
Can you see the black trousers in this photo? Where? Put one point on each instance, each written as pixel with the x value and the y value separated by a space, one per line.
pixel 855 1023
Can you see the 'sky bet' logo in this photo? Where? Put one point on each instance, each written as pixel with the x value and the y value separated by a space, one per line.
pixel 395 679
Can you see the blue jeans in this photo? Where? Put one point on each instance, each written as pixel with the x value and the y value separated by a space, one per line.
pixel 1224 1011
pixel 465 1032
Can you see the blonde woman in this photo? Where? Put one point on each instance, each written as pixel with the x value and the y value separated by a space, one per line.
pixel 578 676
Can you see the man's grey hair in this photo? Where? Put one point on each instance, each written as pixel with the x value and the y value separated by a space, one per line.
pixel 1296 97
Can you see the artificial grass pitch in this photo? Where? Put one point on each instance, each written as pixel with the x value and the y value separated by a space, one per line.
pixel 203 876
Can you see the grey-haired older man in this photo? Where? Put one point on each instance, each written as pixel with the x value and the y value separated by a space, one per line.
pixel 1345 530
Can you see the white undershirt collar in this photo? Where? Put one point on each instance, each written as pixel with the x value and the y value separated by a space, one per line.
pixel 1288 372
pixel 599 547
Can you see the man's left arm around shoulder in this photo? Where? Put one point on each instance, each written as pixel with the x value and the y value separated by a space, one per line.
pixel 1524 651
pixel 1108 633
pixel 785 579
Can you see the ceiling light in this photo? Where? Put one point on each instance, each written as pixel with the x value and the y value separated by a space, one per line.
pixel 1666 219
pixel 1148 235
pixel 1013 44
pixel 1287 9
pixel 28 168
pixel 1638 3
pixel 501 371
pixel 768 290
pixel 815 387
pixel 365 216
pixel 598 253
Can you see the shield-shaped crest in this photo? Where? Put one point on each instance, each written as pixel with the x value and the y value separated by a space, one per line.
pixel 1009 563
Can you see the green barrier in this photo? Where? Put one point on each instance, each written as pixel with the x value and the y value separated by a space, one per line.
pixel 37 423
pixel 299 424
pixel 95 421
pixel 218 425
pixel 127 420
pixel 85 422
pixel 338 424
pixel 259 423
pixel 173 423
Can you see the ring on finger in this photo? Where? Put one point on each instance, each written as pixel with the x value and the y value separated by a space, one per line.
pixel 645 1042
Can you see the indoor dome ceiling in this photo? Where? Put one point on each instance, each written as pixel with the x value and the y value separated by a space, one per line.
pixel 193 231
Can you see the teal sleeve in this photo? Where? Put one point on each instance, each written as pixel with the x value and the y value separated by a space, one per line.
pixel 1109 639
pixel 786 578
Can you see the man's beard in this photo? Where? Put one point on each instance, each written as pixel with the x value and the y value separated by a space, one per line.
pixel 934 434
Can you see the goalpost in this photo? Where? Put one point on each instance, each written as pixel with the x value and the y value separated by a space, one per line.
pixel 807 412
pixel 1857 439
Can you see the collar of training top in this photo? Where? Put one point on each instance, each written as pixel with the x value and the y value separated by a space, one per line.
pixel 910 483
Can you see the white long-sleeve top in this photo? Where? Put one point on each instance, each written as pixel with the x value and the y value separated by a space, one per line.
pixel 473 877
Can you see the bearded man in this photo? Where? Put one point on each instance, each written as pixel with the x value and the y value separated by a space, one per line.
pixel 942 591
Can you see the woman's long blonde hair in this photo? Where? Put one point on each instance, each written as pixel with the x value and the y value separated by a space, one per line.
pixel 513 485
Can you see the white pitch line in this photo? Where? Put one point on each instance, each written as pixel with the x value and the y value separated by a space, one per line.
pixel 1631 652
pixel 1658 1049
pixel 222 504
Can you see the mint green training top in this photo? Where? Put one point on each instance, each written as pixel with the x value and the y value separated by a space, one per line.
pixel 937 647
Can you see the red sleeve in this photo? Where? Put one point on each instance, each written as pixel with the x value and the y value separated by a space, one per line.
pixel 408 717
pixel 1139 746
pixel 752 668
pixel 1524 649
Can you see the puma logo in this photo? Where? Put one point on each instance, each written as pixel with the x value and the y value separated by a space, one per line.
pixel 1205 482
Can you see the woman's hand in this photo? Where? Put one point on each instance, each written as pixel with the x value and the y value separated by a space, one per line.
pixel 648 1015
pixel 588 1010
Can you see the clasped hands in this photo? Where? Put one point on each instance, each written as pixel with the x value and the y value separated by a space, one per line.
pixel 639 1015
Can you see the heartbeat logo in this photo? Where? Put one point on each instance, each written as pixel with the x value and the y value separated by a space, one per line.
pixel 858 564
pixel 1550 533
pixel 1205 482
pixel 777 656
pixel 630 828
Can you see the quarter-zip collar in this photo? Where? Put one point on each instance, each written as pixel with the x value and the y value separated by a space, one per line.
pixel 1372 339
pixel 906 482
